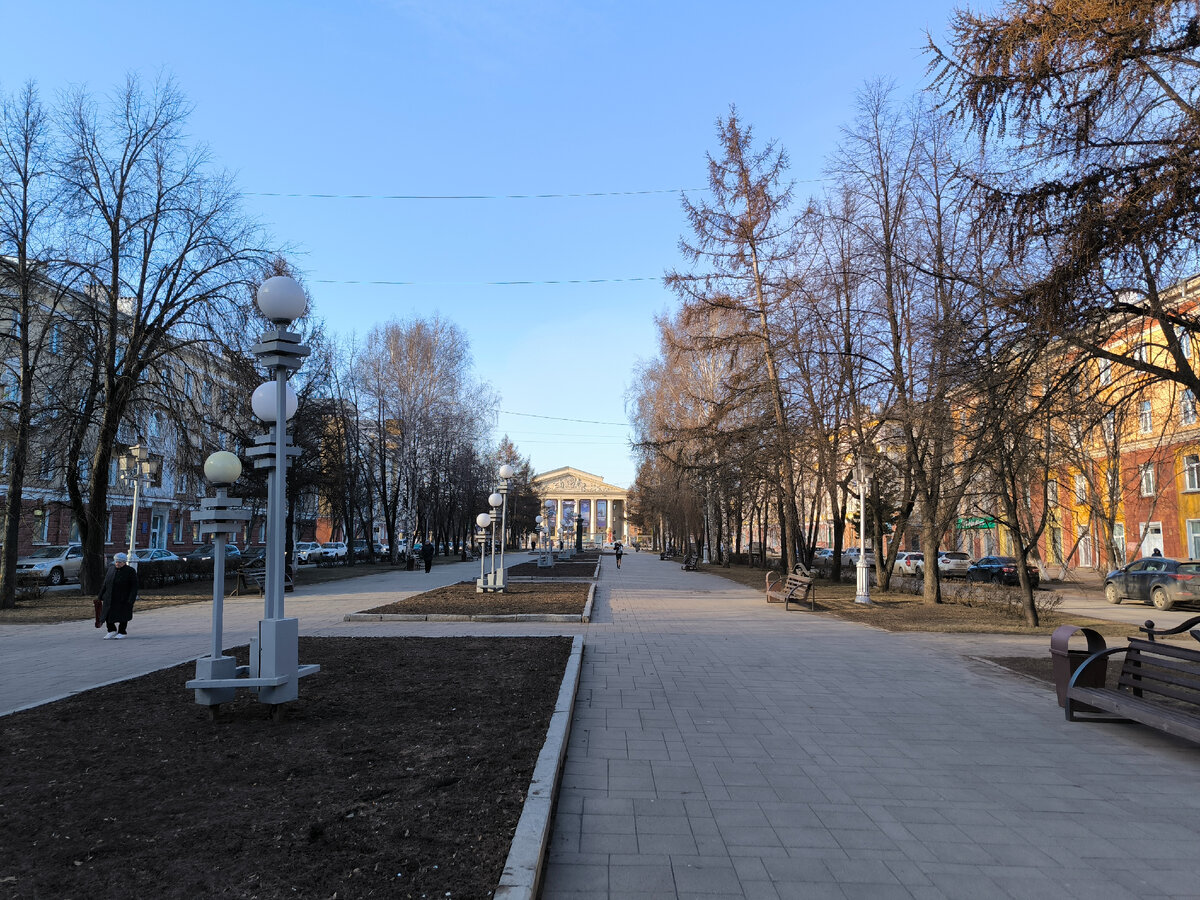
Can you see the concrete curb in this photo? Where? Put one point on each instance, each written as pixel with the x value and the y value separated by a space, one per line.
pixel 587 607
pixel 523 868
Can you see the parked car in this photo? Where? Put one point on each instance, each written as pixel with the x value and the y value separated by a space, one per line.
pixel 850 557
pixel 954 563
pixel 334 549
pixel 146 554
pixel 205 552
pixel 51 564
pixel 910 562
pixel 1155 579
pixel 1000 570
pixel 308 551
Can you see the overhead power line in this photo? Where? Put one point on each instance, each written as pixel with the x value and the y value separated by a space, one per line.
pixel 509 412
pixel 487 283
pixel 468 196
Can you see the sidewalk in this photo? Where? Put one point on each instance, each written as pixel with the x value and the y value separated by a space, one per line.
pixel 721 747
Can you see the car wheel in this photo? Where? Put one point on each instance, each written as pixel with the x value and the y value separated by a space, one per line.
pixel 919 571
pixel 56 577
pixel 1160 599
pixel 997 579
pixel 1111 594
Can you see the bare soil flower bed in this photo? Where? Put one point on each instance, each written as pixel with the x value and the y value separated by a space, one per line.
pixel 400 772
pixel 561 569
pixel 461 599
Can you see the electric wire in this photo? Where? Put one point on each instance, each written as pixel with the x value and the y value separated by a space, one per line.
pixel 509 412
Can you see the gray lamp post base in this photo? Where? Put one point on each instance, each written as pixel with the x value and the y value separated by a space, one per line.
pixel 209 669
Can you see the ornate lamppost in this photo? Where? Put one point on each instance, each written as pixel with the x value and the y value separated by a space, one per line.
pixel 273 656
pixel 579 528
pixel 137 465
pixel 863 588
pixel 216 674
pixel 500 580
pixel 483 520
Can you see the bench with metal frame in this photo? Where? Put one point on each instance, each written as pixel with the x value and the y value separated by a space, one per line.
pixel 256 578
pixel 793 589
pixel 1159 684
pixel 690 562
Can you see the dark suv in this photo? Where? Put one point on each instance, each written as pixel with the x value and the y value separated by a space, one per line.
pixel 1000 570
pixel 1155 579
pixel 205 552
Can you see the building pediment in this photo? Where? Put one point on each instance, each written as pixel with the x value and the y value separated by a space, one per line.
pixel 574 482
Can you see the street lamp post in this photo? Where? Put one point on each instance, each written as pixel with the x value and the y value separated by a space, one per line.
pixel 136 464
pixel 274 655
pixel 483 520
pixel 220 517
pixel 496 502
pixel 547 557
pixel 578 529
pixel 506 472
pixel 863 593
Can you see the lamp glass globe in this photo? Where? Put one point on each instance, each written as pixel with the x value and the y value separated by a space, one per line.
pixel 483 520
pixel 262 401
pixel 507 471
pixel 537 519
pixel 495 499
pixel 549 504
pixel 281 299
pixel 222 468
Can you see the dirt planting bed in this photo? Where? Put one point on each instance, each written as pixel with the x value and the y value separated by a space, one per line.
pixel 518 599
pixel 561 569
pixel 400 772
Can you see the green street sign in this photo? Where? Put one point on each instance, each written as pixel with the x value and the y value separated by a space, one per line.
pixel 975 522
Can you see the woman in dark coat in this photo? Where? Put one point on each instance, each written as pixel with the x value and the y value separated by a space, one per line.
pixel 117 596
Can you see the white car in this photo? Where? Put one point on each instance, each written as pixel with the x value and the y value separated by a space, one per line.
pixel 53 565
pixel 850 557
pixel 910 562
pixel 954 563
pixel 308 551
pixel 334 549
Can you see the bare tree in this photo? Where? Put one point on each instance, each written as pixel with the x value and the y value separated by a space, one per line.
pixel 166 255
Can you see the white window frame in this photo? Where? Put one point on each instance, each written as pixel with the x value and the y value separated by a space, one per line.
pixel 1192 530
pixel 1187 408
pixel 1185 344
pixel 1147 480
pixel 1191 473
pixel 1118 533
pixel 1110 426
pixel 1145 417
pixel 41 526
pixel 1105 370
pixel 1080 489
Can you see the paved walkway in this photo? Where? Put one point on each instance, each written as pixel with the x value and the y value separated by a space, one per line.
pixel 722 747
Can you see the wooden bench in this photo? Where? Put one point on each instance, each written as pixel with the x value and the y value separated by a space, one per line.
pixel 257 579
pixel 666 554
pixel 792 590
pixel 1159 684
pixel 690 562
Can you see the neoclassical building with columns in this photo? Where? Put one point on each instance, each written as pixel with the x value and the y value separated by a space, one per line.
pixel 602 506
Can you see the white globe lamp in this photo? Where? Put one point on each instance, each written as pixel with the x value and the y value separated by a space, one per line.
pixel 507 471
pixel 483 520
pixel 282 300
pixel 262 401
pixel 494 500
pixel 222 468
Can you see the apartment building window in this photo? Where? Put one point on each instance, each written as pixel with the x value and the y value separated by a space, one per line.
pixel 1145 417
pixel 1191 472
pixel 178 538
pixel 1140 352
pixel 4 453
pixel 1147 478
pixel 55 339
pixel 1185 343
pixel 1076 432
pixel 187 385
pixel 1052 492
pixel 1080 489
pixel 1119 542
pixel 1114 486
pixel 195 532
pixel 1110 426
pixel 46 469
pixel 41 527
pixel 108 527
pixel 1193 537
pixel 1105 366
pixel 1187 408
pixel 206 391
pixel 166 378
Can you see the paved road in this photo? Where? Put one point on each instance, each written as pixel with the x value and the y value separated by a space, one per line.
pixel 722 747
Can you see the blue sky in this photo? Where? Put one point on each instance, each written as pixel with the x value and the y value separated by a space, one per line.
pixel 476 98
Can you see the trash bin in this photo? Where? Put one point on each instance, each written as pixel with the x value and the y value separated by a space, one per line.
pixel 410 562
pixel 1066 660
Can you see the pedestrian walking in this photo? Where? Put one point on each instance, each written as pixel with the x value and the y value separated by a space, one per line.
pixel 117 595
pixel 618 549
pixel 427 555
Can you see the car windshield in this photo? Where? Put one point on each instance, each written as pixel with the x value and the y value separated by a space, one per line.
pixel 958 556
pixel 48 552
pixel 330 546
